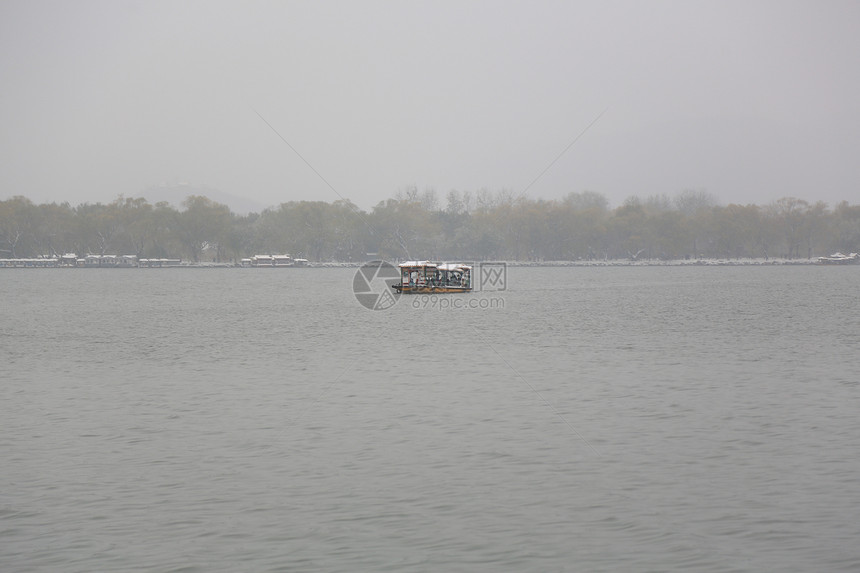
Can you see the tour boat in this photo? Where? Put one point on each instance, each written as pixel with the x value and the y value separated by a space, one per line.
pixel 425 277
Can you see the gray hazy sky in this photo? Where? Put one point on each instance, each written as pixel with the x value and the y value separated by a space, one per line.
pixel 749 100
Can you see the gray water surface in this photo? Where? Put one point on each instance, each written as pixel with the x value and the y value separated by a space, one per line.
pixel 595 419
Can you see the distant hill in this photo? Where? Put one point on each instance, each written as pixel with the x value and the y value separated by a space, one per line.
pixel 175 194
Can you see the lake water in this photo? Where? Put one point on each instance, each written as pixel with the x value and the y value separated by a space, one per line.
pixel 585 419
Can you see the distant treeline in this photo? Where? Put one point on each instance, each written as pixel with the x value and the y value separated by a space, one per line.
pixel 481 226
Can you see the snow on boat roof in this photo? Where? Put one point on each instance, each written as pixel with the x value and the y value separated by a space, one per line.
pixel 840 256
pixel 453 267
pixel 440 266
pixel 417 264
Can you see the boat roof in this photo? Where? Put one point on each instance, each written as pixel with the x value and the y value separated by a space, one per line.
pixel 440 266
pixel 453 267
pixel 417 264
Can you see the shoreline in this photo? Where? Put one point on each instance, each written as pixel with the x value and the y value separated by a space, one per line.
pixel 43 264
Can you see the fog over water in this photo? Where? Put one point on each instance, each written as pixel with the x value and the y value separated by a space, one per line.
pixel 750 101
pixel 590 419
